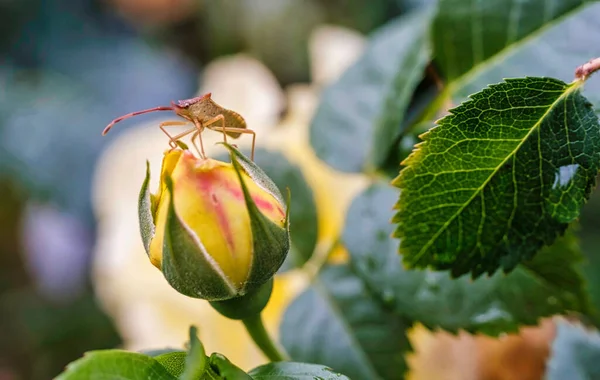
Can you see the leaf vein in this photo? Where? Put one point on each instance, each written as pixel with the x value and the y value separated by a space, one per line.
pixel 534 128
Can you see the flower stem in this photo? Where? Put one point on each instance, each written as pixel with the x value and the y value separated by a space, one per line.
pixel 259 334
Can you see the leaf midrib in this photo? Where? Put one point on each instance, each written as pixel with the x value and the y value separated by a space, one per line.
pixel 506 51
pixel 321 290
pixel 571 88
pixel 453 85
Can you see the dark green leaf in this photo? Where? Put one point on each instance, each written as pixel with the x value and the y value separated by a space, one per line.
pixel 549 284
pixel 481 42
pixel 196 360
pixel 360 116
pixel 303 211
pixel 575 354
pixel 115 364
pixel 294 371
pixel 338 323
pixel 500 177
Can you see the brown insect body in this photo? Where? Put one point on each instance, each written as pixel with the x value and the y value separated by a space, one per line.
pixel 204 109
pixel 203 112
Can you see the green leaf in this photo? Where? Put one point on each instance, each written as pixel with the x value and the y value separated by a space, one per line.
pixel 360 116
pixel 501 176
pixel 161 351
pixel 482 42
pixel 196 360
pixel 174 362
pixel 575 354
pixel 549 284
pixel 222 368
pixel 303 211
pixel 115 364
pixel 294 371
pixel 338 323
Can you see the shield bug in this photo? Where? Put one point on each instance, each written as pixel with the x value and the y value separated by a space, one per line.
pixel 203 113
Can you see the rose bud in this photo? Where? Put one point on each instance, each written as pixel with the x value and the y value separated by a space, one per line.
pixel 216 230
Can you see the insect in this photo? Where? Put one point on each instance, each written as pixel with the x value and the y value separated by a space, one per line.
pixel 203 113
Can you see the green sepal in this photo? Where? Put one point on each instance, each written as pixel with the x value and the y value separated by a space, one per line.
pixel 255 172
pixel 186 265
pixel 182 145
pixel 146 211
pixel 225 369
pixel 271 242
pixel 250 304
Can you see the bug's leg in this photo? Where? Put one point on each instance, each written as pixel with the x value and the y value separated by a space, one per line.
pixel 212 122
pixel 173 139
pixel 194 143
pixel 198 134
pixel 238 130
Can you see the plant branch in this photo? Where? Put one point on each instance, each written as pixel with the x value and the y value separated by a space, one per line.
pixel 259 334
pixel 584 71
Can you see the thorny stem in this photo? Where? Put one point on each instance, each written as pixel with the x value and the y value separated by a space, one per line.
pixel 259 334
pixel 584 71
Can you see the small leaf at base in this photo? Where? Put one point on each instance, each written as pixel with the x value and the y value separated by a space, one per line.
pixel 115 364
pixel 196 360
pixel 294 371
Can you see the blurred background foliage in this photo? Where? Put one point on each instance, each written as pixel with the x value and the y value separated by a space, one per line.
pixel 67 67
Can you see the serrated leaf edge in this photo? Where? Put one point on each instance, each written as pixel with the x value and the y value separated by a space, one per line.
pixel 416 156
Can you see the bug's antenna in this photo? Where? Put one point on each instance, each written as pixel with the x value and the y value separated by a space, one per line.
pixel 108 127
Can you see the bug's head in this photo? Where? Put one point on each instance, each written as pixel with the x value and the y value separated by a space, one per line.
pixel 186 103
pixel 184 107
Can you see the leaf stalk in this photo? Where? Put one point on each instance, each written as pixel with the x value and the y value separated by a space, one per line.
pixel 259 334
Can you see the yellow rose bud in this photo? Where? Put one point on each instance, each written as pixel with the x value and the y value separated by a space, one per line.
pixel 216 230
